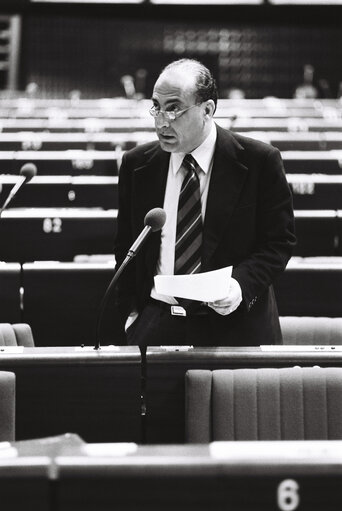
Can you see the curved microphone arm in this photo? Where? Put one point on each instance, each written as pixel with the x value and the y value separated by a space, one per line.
pixel 106 297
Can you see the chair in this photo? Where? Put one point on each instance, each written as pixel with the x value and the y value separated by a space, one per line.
pixel 18 334
pixel 311 330
pixel 263 404
pixel 7 406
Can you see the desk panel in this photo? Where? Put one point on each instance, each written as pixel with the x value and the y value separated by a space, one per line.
pixel 57 234
pixel 94 394
pixel 316 232
pixel 25 484
pixel 309 288
pixel 45 141
pixel 166 368
pixel 63 192
pixel 61 302
pixel 305 141
pixel 10 282
pixel 309 162
pixel 339 235
pixel 73 162
pixel 250 477
pixel 316 191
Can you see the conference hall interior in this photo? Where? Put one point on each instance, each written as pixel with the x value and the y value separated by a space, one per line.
pixel 88 422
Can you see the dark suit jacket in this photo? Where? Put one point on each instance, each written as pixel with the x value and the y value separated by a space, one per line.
pixel 248 224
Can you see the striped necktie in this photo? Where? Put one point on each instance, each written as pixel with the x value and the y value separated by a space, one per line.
pixel 189 221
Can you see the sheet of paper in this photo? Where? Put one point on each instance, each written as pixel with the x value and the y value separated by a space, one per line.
pixel 205 287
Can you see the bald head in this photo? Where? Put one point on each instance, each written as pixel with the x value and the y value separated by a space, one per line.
pixel 195 76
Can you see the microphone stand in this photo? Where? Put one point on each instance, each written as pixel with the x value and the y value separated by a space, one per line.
pixel 104 301
pixel 154 221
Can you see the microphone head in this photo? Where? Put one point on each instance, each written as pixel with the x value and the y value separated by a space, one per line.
pixel 28 171
pixel 155 219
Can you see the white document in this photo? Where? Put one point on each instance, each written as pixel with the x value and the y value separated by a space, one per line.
pixel 205 287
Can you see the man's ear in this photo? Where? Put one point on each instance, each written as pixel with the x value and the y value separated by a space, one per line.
pixel 209 108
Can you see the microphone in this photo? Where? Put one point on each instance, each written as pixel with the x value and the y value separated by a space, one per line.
pixel 153 221
pixel 27 172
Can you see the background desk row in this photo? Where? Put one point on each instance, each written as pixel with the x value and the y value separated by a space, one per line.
pixel 77 162
pixel 61 300
pixel 60 234
pixel 97 394
pixel 310 191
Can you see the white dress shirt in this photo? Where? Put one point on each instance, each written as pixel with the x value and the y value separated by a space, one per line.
pixel 204 155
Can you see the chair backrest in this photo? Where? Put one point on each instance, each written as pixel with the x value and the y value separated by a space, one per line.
pixel 263 404
pixel 311 330
pixel 7 406
pixel 18 334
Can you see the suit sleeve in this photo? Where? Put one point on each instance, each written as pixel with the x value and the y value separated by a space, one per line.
pixel 275 237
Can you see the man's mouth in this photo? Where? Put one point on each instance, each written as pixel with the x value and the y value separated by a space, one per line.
pixel 166 136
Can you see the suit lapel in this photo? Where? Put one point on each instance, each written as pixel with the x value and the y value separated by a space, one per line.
pixel 150 182
pixel 227 178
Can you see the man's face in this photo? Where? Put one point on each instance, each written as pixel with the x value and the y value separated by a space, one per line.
pixel 174 91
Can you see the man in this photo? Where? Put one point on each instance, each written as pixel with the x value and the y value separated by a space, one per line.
pixel 244 218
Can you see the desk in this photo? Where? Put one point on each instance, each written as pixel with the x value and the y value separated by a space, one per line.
pixel 69 162
pixel 239 476
pixel 63 191
pixel 57 234
pixel 316 191
pixel 67 474
pixel 309 162
pixel 62 300
pixel 45 141
pixel 10 292
pixel 300 140
pixel 166 369
pixel 310 287
pixel 24 483
pixel 316 232
pixel 95 394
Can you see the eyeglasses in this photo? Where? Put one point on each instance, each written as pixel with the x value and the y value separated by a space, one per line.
pixel 171 115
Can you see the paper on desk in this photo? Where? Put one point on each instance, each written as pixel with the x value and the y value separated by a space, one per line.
pixel 205 287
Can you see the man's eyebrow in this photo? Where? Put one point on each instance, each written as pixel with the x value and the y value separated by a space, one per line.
pixel 168 101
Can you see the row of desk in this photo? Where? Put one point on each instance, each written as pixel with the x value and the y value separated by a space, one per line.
pixel 60 124
pixel 75 162
pixel 100 395
pixel 39 234
pixel 61 300
pixel 310 191
pixel 62 141
pixel 66 474
pixel 121 107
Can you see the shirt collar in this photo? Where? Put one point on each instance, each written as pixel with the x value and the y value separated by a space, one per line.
pixel 203 154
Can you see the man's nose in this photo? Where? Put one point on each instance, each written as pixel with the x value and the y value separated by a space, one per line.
pixel 161 121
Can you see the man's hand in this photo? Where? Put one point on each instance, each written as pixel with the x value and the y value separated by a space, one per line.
pixel 231 302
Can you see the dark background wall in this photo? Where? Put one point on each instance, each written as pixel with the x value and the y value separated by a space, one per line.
pixel 260 50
